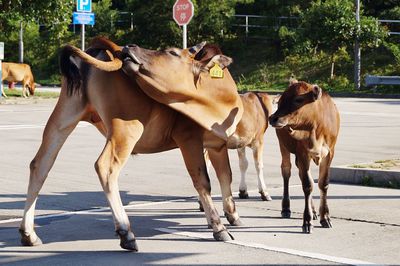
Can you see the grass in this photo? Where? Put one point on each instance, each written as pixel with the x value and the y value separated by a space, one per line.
pixel 260 66
pixel 370 182
pixel 38 94
pixel 380 164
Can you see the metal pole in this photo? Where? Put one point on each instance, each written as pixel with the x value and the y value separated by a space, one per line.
pixel 1 82
pixel 184 36
pixel 357 51
pixel 83 37
pixel 21 44
pixel 247 26
pixel 131 21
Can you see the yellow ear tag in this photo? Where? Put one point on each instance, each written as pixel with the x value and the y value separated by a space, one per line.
pixel 216 71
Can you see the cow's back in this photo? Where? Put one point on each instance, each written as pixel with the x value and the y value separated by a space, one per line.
pixel 15 72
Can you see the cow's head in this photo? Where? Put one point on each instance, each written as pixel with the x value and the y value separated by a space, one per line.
pixel 173 67
pixel 31 87
pixel 295 106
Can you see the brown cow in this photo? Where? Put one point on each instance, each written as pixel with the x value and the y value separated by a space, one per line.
pixel 15 72
pixel 250 133
pixel 169 101
pixel 307 125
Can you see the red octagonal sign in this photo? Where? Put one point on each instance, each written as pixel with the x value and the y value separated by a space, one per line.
pixel 183 12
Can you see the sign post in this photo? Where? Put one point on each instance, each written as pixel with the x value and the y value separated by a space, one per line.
pixel 183 11
pixel 83 16
pixel 1 67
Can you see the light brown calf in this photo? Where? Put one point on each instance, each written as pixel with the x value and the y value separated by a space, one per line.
pixel 15 72
pixel 147 111
pixel 307 125
pixel 250 132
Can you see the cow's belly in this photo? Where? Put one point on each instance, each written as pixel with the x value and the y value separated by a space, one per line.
pixel 15 76
pixel 157 134
pixel 236 141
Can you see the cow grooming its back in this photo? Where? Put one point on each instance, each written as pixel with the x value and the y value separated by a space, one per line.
pixel 307 125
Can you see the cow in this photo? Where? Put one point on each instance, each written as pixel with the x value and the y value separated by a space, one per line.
pixel 15 72
pixel 307 124
pixel 250 133
pixel 165 100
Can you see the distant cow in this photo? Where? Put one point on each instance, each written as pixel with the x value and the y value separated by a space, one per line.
pixel 14 72
pixel 307 125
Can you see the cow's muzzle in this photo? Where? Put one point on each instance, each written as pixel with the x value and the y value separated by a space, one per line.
pixel 131 63
pixel 277 122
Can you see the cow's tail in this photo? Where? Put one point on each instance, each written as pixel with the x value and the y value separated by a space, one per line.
pixel 71 68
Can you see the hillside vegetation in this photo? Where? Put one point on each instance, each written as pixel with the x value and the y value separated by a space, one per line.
pixel 310 40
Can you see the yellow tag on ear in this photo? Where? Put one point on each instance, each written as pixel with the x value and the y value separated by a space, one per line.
pixel 216 71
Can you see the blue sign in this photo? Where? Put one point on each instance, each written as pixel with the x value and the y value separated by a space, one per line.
pixel 83 18
pixel 84 5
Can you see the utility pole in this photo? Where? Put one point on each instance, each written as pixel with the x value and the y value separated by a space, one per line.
pixel 357 50
pixel 21 43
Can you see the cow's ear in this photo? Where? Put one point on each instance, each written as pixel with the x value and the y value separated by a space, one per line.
pixel 317 92
pixel 222 60
pixel 292 81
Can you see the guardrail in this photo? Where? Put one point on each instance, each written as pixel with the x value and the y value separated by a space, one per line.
pixel 371 81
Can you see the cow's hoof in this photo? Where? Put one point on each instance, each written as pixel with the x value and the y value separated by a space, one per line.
pixel 307 228
pixel 286 214
pixel 232 220
pixel 127 240
pixel 223 235
pixel 315 216
pixel 265 196
pixel 326 223
pixel 29 240
pixel 243 194
pixel 200 206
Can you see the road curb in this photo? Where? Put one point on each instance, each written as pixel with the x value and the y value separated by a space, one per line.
pixel 365 176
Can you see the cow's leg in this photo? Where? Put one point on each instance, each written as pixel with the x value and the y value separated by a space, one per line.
pixel 220 160
pixel 120 142
pixel 303 163
pixel 61 123
pixel 2 90
pixel 259 164
pixel 208 166
pixel 24 90
pixel 190 143
pixel 286 167
pixel 323 184
pixel 243 165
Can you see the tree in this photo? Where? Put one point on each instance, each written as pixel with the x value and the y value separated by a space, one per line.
pixel 330 26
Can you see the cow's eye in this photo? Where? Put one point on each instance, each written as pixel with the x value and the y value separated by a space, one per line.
pixel 173 53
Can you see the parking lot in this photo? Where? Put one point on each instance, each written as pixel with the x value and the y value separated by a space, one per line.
pixel 77 228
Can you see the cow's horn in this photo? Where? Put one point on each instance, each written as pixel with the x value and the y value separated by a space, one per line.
pixel 195 49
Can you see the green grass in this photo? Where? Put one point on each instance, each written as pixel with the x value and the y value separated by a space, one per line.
pixel 259 66
pixel 370 182
pixel 38 94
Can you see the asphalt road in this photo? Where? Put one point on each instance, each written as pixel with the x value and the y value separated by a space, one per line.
pixel 77 229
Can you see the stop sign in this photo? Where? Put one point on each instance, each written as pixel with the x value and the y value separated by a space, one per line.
pixel 183 12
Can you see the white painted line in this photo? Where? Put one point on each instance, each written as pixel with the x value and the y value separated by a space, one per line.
pixel 370 114
pixel 62 214
pixel 289 251
pixel 26 126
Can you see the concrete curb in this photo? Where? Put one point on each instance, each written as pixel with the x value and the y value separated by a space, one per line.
pixel 367 176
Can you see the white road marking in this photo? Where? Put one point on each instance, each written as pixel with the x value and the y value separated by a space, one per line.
pixel 27 126
pixel 370 114
pixel 312 255
pixel 62 214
